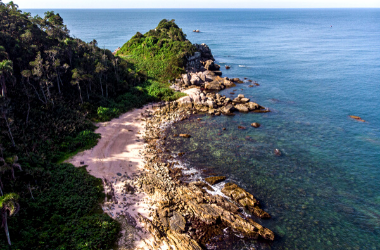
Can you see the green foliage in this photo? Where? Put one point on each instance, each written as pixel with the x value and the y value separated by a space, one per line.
pixel 161 91
pixel 160 53
pixel 106 114
pixel 64 214
pixel 53 87
pixel 9 200
pixel 71 145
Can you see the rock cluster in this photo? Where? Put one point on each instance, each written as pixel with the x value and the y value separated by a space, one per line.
pixel 197 61
pixel 216 104
pixel 187 216
pixel 245 199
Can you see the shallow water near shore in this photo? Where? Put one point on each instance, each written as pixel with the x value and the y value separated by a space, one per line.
pixel 315 68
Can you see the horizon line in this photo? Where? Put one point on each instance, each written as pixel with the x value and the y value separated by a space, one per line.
pixel 208 8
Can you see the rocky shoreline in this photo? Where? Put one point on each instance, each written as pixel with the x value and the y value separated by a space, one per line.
pixel 203 80
pixel 185 214
pixel 174 211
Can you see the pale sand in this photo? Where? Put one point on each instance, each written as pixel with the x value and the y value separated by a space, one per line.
pixel 119 151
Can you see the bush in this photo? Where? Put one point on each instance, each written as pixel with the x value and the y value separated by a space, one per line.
pixel 106 114
pixel 65 213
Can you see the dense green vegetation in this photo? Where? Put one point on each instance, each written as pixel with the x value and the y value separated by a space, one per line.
pixel 52 88
pixel 160 54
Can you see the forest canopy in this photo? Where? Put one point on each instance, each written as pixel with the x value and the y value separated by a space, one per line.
pixel 53 87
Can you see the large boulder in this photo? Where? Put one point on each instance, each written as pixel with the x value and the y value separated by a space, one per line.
pixel 245 199
pixel 186 79
pixel 228 109
pixel 211 104
pixel 214 85
pixel 194 94
pixel 177 222
pixel 226 101
pixel 185 102
pixel 228 83
pixel 242 108
pixel 195 80
pixel 236 100
pixel 210 65
pixel 253 106
pixel 202 75
pixel 215 179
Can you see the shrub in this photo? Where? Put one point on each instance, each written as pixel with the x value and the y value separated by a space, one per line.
pixel 106 114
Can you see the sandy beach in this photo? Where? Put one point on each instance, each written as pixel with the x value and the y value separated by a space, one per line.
pixel 117 159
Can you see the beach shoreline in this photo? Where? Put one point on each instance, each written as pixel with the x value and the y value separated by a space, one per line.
pixel 157 205
pixel 117 160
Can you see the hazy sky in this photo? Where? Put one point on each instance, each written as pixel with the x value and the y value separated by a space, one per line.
pixel 48 4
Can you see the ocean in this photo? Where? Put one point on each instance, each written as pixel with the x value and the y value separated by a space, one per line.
pixel 315 67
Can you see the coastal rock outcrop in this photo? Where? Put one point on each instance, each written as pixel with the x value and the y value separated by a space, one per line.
pixel 215 179
pixel 210 65
pixel 185 215
pixel 245 199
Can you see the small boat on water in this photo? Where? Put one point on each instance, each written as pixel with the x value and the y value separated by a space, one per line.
pixel 242 66
pixel 227 66
pixel 197 31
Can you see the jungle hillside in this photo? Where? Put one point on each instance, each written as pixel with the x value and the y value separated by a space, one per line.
pixel 53 88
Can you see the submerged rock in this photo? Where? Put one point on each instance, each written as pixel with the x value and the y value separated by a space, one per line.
pixel 277 152
pixel 255 125
pixel 185 135
pixel 358 118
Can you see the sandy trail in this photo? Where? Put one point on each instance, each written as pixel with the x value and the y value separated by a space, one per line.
pixel 117 158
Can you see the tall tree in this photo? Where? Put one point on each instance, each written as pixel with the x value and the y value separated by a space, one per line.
pixel 6 71
pixel 38 72
pixel 77 78
pixel 8 205
pixel 100 70
pixel 8 164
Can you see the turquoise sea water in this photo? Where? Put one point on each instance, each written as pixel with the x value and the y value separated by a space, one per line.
pixel 315 68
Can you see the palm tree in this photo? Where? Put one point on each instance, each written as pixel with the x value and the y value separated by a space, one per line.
pixel 77 78
pixel 28 74
pixel 100 69
pixel 6 70
pixel 8 204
